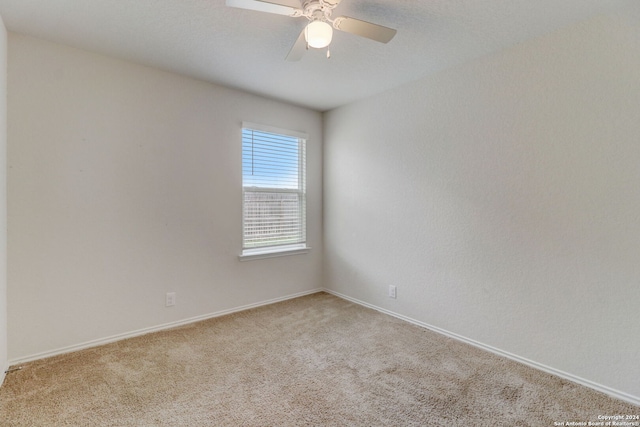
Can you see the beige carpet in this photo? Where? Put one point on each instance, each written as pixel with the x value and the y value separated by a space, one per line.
pixel 316 360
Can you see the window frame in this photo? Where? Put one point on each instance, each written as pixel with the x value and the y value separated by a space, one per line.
pixel 286 249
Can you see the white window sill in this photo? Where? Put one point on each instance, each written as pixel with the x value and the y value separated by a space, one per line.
pixel 272 252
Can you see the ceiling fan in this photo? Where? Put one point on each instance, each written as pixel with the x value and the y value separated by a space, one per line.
pixel 319 31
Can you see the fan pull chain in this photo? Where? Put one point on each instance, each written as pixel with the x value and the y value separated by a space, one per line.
pixel 328 53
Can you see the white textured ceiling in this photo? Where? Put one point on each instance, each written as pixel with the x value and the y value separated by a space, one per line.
pixel 246 49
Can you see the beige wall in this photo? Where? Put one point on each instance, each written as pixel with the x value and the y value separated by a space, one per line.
pixel 502 198
pixel 125 184
pixel 3 201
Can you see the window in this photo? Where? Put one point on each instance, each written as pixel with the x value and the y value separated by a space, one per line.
pixel 273 192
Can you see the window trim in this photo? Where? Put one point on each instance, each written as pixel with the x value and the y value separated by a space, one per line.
pixel 273 251
pixel 276 250
pixel 272 129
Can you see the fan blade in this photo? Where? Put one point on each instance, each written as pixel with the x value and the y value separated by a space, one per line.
pixel 298 49
pixel 276 7
pixel 364 29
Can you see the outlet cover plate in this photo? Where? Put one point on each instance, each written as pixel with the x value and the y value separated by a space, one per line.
pixel 392 291
pixel 171 299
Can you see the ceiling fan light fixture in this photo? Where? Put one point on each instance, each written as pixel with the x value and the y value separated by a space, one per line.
pixel 318 34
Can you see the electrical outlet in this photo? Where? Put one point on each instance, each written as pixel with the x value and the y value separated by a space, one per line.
pixel 392 291
pixel 171 299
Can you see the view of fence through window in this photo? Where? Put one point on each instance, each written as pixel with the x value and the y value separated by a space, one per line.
pixel 273 186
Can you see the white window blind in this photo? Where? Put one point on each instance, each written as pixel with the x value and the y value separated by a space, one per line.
pixel 274 189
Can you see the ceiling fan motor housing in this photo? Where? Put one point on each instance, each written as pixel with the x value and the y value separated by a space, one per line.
pixel 319 9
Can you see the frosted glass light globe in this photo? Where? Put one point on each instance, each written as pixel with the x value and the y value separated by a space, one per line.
pixel 318 34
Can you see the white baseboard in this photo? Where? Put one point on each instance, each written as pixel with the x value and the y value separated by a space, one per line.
pixel 634 400
pixel 118 337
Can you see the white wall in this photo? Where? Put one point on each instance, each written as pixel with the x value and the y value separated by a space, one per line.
pixel 3 201
pixel 125 184
pixel 502 197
